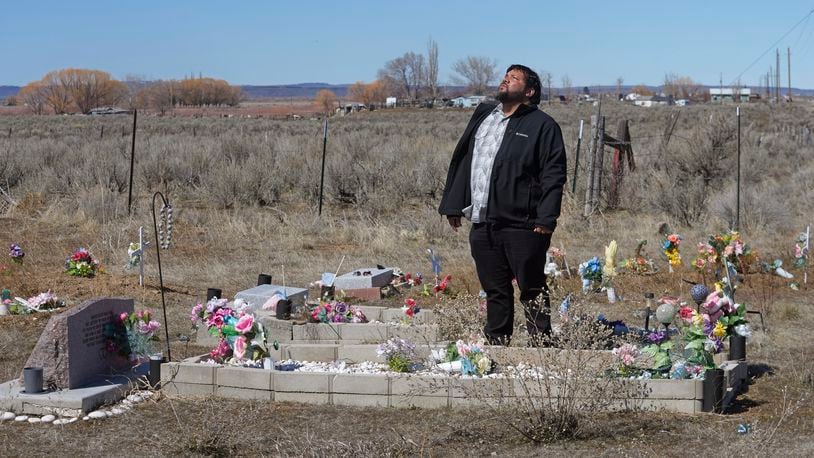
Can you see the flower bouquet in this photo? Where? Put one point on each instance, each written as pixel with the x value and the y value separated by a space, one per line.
pixel 801 247
pixel 240 336
pixel 670 249
pixel 591 273
pixel 399 353
pixel 626 356
pixel 659 349
pixel 337 312
pixel 81 264
pixel 39 303
pixel 16 253
pixel 609 270
pixel 131 335
pixel 406 279
pixel 468 358
pixel 721 251
pixel 134 254
pixel 410 308
pixel 639 263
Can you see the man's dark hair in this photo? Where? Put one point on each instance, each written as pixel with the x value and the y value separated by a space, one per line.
pixel 532 82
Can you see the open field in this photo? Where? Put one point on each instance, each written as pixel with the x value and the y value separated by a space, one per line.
pixel 245 196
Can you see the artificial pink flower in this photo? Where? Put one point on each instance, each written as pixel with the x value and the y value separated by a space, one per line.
pixel 123 317
pixel 244 324
pixel 240 347
pixel 685 313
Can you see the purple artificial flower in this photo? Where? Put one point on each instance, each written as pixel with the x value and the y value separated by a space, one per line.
pixel 338 318
pixel 657 337
pixel 341 308
pixel 15 251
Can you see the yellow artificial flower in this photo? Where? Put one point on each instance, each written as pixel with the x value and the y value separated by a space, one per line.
pixel 697 318
pixel 609 269
pixel 719 331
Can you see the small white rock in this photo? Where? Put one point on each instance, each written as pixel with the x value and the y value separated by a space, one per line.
pixel 21 418
pixel 96 414
pixel 116 411
pixel 125 407
pixel 85 418
pixel 68 421
pixel 57 422
pixel 126 403
pixel 134 398
pixel 108 413
pixel 7 416
pixel 33 420
pixel 48 418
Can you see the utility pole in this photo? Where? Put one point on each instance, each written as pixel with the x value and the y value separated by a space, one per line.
pixel 777 78
pixel 788 50
pixel 721 87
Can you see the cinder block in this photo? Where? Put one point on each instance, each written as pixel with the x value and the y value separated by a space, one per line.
pixel 669 389
pixel 418 334
pixel 423 402
pixel 361 384
pixel 481 402
pixel 356 279
pixel 364 294
pixel 317 331
pixel 240 377
pixel 176 389
pixel 279 330
pixel 372 312
pixel 243 393
pixel 478 387
pixel 419 385
pixel 188 373
pixel 302 382
pixel 305 398
pixel 389 315
pixel 358 353
pixel 367 332
pixel 361 400
pixel 311 352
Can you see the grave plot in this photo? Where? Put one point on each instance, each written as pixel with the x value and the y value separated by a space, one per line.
pixel 78 372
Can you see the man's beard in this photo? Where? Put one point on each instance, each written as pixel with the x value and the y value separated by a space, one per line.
pixel 510 97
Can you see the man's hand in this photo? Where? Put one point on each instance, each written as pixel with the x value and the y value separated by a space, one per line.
pixel 454 222
pixel 543 230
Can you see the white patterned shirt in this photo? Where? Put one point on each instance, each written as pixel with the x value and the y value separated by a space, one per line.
pixel 487 142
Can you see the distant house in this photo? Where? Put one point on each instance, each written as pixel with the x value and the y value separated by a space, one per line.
pixel 350 107
pixel 468 101
pixel 652 101
pixel 108 111
pixel 729 94
pixel 391 102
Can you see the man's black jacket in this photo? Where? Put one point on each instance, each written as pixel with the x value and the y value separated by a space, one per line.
pixel 527 177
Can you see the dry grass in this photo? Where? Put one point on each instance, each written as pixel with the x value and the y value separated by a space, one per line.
pixel 245 197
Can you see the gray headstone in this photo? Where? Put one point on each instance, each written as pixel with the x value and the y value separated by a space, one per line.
pixel 364 278
pixel 72 348
pixel 258 295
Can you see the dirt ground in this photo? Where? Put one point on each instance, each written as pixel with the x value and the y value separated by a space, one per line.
pixel 777 405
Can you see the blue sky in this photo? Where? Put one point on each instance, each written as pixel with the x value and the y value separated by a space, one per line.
pixel 269 42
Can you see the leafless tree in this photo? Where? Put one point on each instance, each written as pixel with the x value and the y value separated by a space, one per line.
pixel 404 75
pixel 432 68
pixel 567 85
pixel 477 72
pixel 619 82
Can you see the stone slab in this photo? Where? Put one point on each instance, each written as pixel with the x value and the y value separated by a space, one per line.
pixel 372 312
pixel 356 280
pixel 68 402
pixel 366 332
pixel 420 334
pixel 258 295
pixel 71 349
pixel 419 385
pixel 318 331
pixel 422 402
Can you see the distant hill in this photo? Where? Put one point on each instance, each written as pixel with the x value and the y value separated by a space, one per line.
pixel 6 91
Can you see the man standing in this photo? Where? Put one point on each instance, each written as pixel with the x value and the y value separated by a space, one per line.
pixel 506 176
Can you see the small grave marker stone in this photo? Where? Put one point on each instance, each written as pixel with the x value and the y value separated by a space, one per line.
pixel 71 349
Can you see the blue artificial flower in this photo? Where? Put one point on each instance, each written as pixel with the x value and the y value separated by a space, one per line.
pixel 667 244
pixel 466 367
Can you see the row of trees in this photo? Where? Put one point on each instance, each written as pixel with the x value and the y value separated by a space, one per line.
pixel 76 90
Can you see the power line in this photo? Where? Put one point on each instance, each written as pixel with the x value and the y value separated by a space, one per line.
pixel 773 46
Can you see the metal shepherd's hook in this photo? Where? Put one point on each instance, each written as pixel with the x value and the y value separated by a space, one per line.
pixel 162 241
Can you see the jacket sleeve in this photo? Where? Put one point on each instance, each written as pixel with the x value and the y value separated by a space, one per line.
pixel 552 175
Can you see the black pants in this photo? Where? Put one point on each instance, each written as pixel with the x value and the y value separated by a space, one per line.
pixel 503 253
